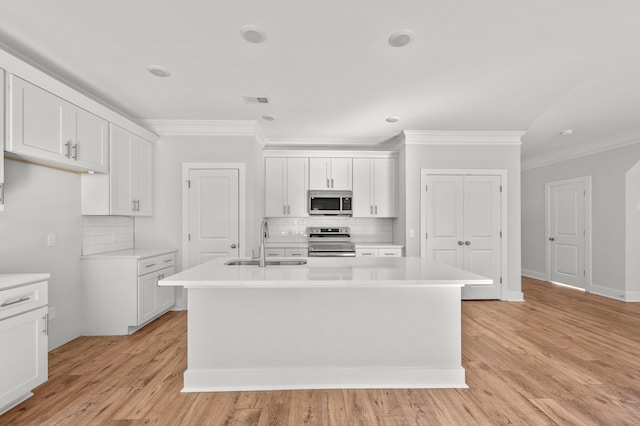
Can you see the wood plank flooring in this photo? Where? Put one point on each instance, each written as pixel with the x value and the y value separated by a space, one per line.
pixel 561 357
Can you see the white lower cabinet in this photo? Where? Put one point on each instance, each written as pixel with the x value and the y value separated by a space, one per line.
pixel 379 252
pixel 286 252
pixel 121 294
pixel 23 342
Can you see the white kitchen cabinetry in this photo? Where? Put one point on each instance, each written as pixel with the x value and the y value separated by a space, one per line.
pixel 375 187
pixel 23 336
pixel 45 128
pixel 121 292
pixel 330 173
pixel 286 186
pixel 379 251
pixel 286 252
pixel 2 136
pixel 128 189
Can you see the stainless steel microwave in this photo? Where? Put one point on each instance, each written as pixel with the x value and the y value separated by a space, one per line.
pixel 330 203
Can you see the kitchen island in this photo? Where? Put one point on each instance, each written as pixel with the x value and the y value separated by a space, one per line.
pixel 330 323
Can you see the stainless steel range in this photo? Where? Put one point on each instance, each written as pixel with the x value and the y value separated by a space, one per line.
pixel 330 242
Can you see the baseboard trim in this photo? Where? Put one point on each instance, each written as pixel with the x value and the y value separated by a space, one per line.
pixel 225 380
pixel 515 296
pixel 534 274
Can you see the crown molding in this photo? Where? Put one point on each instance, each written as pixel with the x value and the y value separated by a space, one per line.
pixel 200 127
pixel 553 158
pixel 428 137
pixel 324 141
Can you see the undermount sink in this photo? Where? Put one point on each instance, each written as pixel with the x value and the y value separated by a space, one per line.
pixel 256 262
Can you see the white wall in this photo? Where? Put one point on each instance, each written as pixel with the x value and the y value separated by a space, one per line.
pixel 41 201
pixel 607 170
pixel 164 229
pixel 507 157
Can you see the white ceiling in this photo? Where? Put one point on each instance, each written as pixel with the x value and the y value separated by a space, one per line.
pixel 540 66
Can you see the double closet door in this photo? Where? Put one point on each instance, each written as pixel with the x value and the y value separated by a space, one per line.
pixel 463 227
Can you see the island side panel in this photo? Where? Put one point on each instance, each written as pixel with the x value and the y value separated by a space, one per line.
pixel 296 338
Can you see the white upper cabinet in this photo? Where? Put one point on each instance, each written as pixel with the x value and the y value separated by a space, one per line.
pixel 375 187
pixel 90 136
pixel 128 189
pixel 330 173
pixel 46 128
pixel 286 186
pixel 131 174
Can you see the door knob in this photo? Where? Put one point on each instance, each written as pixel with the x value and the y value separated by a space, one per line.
pixel 460 243
pixel 551 239
pixel 467 243
pixel 233 246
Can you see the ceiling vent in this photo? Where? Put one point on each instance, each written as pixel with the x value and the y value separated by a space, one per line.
pixel 255 99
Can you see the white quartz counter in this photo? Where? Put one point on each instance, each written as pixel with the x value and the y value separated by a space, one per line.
pixel 138 253
pixel 328 272
pixel 16 280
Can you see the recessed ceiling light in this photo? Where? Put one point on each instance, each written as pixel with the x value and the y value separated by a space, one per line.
pixel 253 34
pixel 158 71
pixel 401 38
pixel 567 132
pixel 392 119
pixel 269 117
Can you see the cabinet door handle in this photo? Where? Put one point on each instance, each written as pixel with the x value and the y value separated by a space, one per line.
pixel 13 302
pixel 467 243
pixel 376 210
pixel 75 152
pixel 370 209
pixel 328 183
pixel 460 243
pixel 288 209
pixel 367 254
pixel 168 260
pixel 133 205
pixel 551 239
pixel 68 145
pixel 45 318
pixel 332 182
pixel 284 209
pixel 233 246
pixel 150 265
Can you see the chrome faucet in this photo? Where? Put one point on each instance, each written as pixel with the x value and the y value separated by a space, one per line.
pixel 264 233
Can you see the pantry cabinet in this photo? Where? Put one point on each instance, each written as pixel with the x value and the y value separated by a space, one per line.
pixel 48 129
pixel 121 291
pixel 128 189
pixel 286 186
pixel 330 173
pixel 375 187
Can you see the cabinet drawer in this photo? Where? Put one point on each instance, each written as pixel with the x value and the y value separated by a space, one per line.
pixel 296 252
pixel 21 299
pixel 389 252
pixel 274 252
pixel 156 263
pixel 367 252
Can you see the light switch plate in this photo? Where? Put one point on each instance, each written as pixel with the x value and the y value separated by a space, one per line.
pixel 51 240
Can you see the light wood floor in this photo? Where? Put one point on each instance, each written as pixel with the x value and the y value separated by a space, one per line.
pixel 561 357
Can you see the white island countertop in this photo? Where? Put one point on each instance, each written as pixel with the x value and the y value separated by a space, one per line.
pixel 327 272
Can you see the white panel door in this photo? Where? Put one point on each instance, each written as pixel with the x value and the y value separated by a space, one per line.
pixel 121 168
pixel 482 227
pixel 362 202
pixel 567 233
pixel 275 187
pixel 91 140
pixel 341 173
pixel 463 220
pixel 213 214
pixel 445 220
pixel 385 187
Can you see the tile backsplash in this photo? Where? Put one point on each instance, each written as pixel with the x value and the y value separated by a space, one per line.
pixel 102 234
pixel 363 230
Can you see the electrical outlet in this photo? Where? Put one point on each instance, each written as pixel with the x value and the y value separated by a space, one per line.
pixel 52 313
pixel 412 233
pixel 51 240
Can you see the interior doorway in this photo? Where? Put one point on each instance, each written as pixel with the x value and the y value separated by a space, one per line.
pixel 568 226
